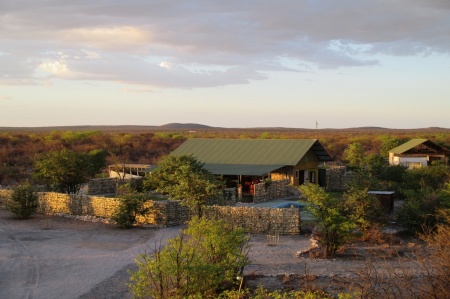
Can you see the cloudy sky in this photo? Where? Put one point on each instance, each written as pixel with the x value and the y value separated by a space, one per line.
pixel 251 63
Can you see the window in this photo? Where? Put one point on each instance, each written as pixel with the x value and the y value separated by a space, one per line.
pixel 297 174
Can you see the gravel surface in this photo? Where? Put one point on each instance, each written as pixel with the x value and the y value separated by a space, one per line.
pixel 70 259
pixel 77 259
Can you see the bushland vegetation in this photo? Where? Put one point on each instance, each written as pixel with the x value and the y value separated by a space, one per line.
pixel 18 148
pixel 184 178
pixel 201 262
pixel 206 258
pixel 24 201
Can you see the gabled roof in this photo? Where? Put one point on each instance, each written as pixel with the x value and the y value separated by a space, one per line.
pixel 411 144
pixel 237 154
pixel 240 169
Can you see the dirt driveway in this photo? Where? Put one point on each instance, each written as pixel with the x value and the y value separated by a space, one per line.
pixel 68 260
pixel 85 260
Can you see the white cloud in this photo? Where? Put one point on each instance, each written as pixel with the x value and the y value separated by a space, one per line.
pixel 165 64
pixel 114 40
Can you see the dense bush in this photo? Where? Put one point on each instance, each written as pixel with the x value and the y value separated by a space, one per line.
pixel 131 204
pixel 363 208
pixel 262 293
pixel 184 178
pixel 335 223
pixel 201 262
pixel 24 201
pixel 434 177
pixel 66 170
pixel 419 213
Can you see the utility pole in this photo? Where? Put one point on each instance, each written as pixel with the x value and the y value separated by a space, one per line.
pixel 317 131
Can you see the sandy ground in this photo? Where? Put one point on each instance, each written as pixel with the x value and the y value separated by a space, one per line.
pixel 68 260
pixel 77 259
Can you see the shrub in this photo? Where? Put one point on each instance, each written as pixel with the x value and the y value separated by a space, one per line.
pixel 262 293
pixel 24 201
pixel 438 265
pixel 202 261
pixel 419 212
pixel 131 205
pixel 365 208
pixel 335 223
pixel 184 178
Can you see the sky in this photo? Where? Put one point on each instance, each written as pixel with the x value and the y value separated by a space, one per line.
pixel 234 64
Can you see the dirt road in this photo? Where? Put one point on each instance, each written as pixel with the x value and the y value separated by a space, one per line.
pixel 68 260
pixel 77 259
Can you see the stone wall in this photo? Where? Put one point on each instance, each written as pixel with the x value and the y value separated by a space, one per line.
pixel 164 213
pixel 160 213
pixel 102 186
pixel 228 198
pixel 338 179
pixel 276 189
pixel 83 205
pixel 168 212
pixel 259 220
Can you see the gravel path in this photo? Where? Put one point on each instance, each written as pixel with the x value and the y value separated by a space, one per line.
pixel 69 260
pixel 77 259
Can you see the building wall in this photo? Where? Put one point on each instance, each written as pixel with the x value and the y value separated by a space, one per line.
pixel 102 186
pixel 306 166
pixel 410 162
pixel 337 178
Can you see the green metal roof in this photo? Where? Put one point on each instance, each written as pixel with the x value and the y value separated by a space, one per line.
pixel 240 169
pixel 270 152
pixel 407 146
pixel 429 147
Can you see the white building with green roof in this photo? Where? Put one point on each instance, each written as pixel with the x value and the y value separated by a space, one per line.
pixel 418 153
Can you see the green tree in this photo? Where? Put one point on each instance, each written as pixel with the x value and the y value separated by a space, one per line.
pixel 365 208
pixel 131 204
pixel 24 201
pixel 375 173
pixel 203 260
pixel 66 170
pixel 387 143
pixel 419 213
pixel 333 217
pixel 354 154
pixel 184 178
pixel 434 177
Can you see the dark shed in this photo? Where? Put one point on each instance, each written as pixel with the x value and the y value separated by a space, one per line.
pixel 386 198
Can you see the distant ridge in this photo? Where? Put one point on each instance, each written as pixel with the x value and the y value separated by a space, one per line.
pixel 185 126
pixel 195 126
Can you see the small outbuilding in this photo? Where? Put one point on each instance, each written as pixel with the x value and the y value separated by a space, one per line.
pixel 386 199
pixel 129 171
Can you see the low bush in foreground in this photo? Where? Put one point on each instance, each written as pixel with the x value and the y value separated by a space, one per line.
pixel 201 262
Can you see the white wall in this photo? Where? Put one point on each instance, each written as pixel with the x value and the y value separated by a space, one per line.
pixel 410 162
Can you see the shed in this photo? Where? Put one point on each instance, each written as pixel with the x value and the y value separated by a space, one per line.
pixel 386 199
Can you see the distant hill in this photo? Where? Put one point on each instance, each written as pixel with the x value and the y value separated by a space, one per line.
pixel 195 126
pixel 185 126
